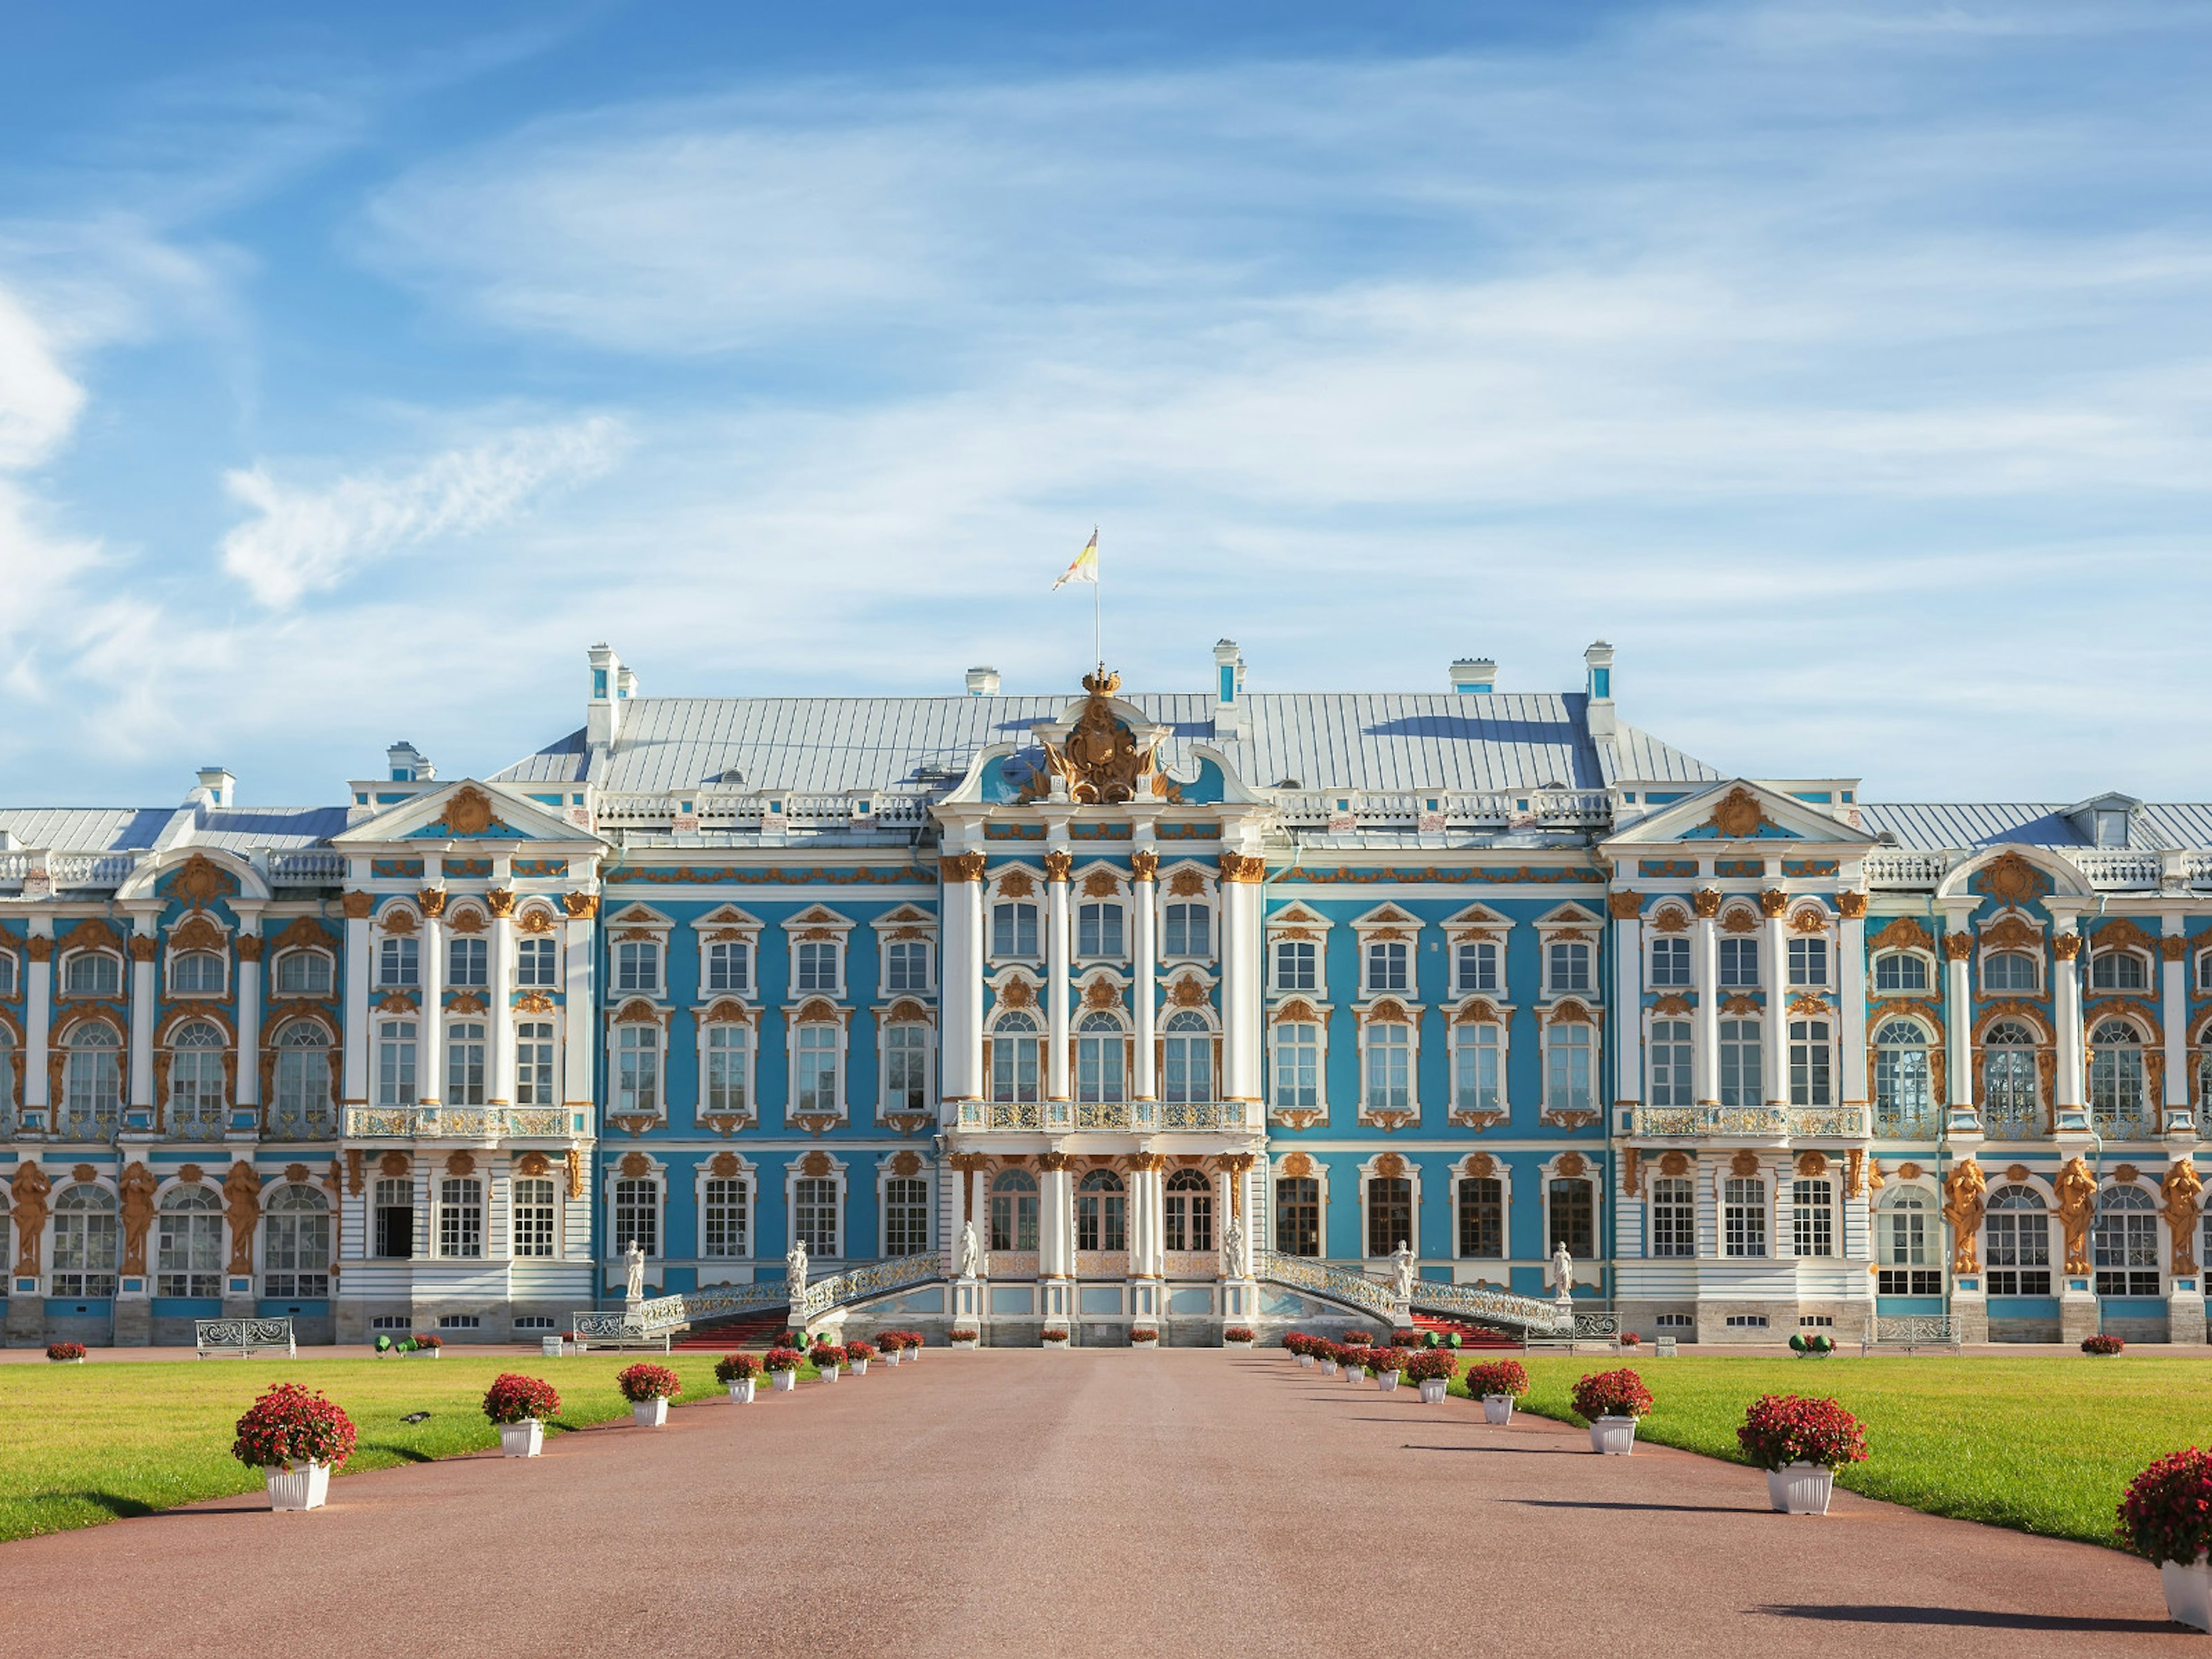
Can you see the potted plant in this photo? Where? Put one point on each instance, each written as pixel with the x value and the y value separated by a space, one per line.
pixel 1299 1347
pixel 519 1406
pixel 1497 1384
pixel 1629 1339
pixel 892 1344
pixel 966 1336
pixel 2103 1345
pixel 65 1353
pixel 827 1358
pixel 1801 1443
pixel 1404 1337
pixel 913 1345
pixel 1355 1357
pixel 295 1438
pixel 782 1367
pixel 648 1389
pixel 1433 1368
pixel 1387 1365
pixel 858 1354
pixel 1055 1339
pixel 1613 1402
pixel 1144 1336
pixel 737 1372
pixel 1239 1336
pixel 2165 1517
pixel 1815 1346
pixel 422 1346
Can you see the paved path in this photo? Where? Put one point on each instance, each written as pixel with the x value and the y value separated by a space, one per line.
pixel 1014 1501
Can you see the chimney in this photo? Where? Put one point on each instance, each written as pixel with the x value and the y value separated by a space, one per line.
pixel 1228 689
pixel 408 765
pixel 1475 677
pixel 983 682
pixel 612 685
pixel 219 783
pixel 1599 659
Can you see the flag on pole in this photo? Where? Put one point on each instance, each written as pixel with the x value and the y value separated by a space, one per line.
pixel 1085 568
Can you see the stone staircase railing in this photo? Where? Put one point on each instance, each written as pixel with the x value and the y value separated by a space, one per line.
pixel 665 1314
pixel 1529 1314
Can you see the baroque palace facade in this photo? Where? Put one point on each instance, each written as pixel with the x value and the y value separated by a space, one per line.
pixel 1164 995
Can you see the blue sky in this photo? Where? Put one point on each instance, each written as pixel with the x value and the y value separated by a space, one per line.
pixel 1846 365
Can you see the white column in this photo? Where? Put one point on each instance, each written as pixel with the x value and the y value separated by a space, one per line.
pixel 1851 994
pixel 1704 979
pixel 2067 946
pixel 960 976
pixel 1774 1050
pixel 143 950
pixel 1147 1218
pixel 1055 1218
pixel 249 1010
pixel 1627 998
pixel 1959 1015
pixel 2175 1015
pixel 502 995
pixel 1145 864
pixel 1241 1012
pixel 430 1064
pixel 359 965
pixel 37 1015
pixel 577 1023
pixel 1056 866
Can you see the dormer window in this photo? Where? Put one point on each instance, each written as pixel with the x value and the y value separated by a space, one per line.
pixel 93 974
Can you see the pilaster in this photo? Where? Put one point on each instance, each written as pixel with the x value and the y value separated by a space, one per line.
pixel 430 1062
pixel 1704 979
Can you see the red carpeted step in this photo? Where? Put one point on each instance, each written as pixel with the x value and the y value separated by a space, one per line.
pixel 727 1335
pixel 1470 1336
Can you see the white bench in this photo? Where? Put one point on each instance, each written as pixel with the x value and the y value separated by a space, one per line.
pixel 246 1338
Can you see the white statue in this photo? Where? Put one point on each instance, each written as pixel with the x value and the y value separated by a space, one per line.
pixel 1402 1272
pixel 794 1270
pixel 1232 1248
pixel 1563 1270
pixel 634 1274
pixel 971 1250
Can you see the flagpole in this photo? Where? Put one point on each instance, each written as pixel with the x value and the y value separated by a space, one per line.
pixel 1097 650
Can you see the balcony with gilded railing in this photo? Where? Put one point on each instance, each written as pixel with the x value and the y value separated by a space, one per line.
pixel 478 1123
pixel 1746 1122
pixel 1131 1116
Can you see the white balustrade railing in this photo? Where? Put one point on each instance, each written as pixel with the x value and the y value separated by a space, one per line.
pixel 482 1123
pixel 1897 869
pixel 1447 808
pixel 2104 867
pixel 310 869
pixel 749 810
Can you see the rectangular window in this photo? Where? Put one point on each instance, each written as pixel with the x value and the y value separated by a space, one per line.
pixel 460 1216
pixel 1808 1063
pixel 1673 1217
pixel 814 1086
pixel 1670 962
pixel 534 964
pixel 1297 1072
pixel 1812 1215
pixel 2018 1252
pixel 814 1213
pixel 395 1217
pixel 1567 1069
pixel 1476 967
pixel 188 1253
pixel 1738 963
pixel 1013 930
pixel 729 967
pixel 2126 1252
pixel 727 1216
pixel 395 1062
pixel 1296 961
pixel 295 1253
pixel 906 965
pixel 532 1200
pixel 1297 1216
pixel 1808 962
pixel 398 963
pixel 637 1216
pixel 817 967
pixel 1670 1063
pixel 1386 967
pixel 906 1069
pixel 1742 1079
pixel 1189 1217
pixel 906 1216
pixel 1570 967
pixel 1390 1214
pixel 1476 1083
pixel 1099 930
pixel 1189 933
pixel 1390 1069
pixel 1743 1216
pixel 468 961
pixel 1482 1219
pixel 637 967
pixel 1573 1220
pixel 637 1070
pixel 465 1063
pixel 729 1054
pixel 533 1063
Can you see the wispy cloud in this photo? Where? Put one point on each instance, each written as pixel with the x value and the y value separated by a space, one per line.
pixel 304 540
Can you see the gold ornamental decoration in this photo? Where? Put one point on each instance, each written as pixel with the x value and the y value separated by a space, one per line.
pixel 1058 865
pixel 136 1189
pixel 1957 947
pixel 1623 906
pixel 1962 1208
pixel 575 1172
pixel 2077 1190
pixel 1631 1173
pixel 1852 906
pixel 960 866
pixel 580 907
pixel 241 1190
pixel 1707 902
pixel 1144 865
pixel 1238 866
pixel 2066 947
pixel 1773 902
pixel 1739 815
pixel 469 813
pixel 432 901
pixel 1100 761
pixel 2012 878
pixel 356 905
pixel 28 1190
pixel 2180 1188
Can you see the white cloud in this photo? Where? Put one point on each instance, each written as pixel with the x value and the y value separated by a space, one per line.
pixel 305 540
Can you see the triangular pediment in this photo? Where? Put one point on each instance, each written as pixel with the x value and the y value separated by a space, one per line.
pixel 463 810
pixel 1739 810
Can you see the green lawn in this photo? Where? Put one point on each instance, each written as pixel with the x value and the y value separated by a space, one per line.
pixel 81 1444
pixel 2043 1444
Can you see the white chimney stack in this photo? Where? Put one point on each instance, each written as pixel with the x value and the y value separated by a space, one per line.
pixel 1599 660
pixel 983 682
pixel 219 783
pixel 1475 677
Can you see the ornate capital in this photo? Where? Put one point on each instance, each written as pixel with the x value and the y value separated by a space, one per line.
pixel 1058 865
pixel 2173 949
pixel 249 947
pixel 1957 947
pixel 432 901
pixel 1707 902
pixel 1773 902
pixel 960 866
pixel 1237 867
pixel 1055 1161
pixel 1145 864
pixel 39 948
pixel 1853 906
pixel 1623 906
pixel 143 948
pixel 500 901
pixel 580 907
pixel 2066 946
pixel 357 906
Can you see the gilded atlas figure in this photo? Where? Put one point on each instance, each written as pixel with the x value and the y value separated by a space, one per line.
pixel 2077 1190
pixel 1962 1208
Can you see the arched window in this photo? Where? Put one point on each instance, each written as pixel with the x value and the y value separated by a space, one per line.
pixel 395 1062
pixel 1017 1052
pixel 1670 1063
pixel 1014 1210
pixel 1099 1048
pixel 188 1242
pixel 1673 1217
pixel 1907 1237
pixel 303 1080
pixel 1477 1068
pixel 2118 1103
pixel 1389 1067
pixel 1013 929
pixel 196 972
pixel 85 1242
pixel 92 973
pixel 465 1064
pixel 1101 1212
pixel 196 1091
pixel 1742 1081
pixel 1743 1215
pixel 2126 1243
pixel 1900 970
pixel 1189 1211
pixel 816 1088
pixel 2118 971
pixel 2009 970
pixel 1482 1217
pixel 1904 1104
pixel 296 1243
pixel 1295 1077
pixel 637 1069
pixel 1390 1213
pixel 2009 1085
pixel 1569 1063
pixel 1188 1046
pixel 1298 1215
pixel 1099 930
pixel 2016 1242
pixel 92 1082
pixel 307 973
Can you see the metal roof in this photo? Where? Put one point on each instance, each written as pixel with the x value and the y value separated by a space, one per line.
pixel 87 829
pixel 1964 825
pixel 245 829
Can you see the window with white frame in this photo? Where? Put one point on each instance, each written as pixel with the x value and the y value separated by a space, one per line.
pixel 1903 1095
pixel 906 965
pixel 814 1216
pixel 1298 1215
pixel 1907 1235
pixel 1388 966
pixel 1100 1045
pixel 6 973
pixel 637 1215
pixel 196 1086
pixel 1014 1210
pixel 2118 1101
pixel 2010 1092
pixel 1482 1218
pixel 533 1063
pixel 729 1066
pixel 2204 971
pixel 2010 971
pixel 1900 970
pixel 91 1079
pixel 465 1063
pixel 1570 1056
pixel 535 1212
pixel 1188 931
pixel 1297 963
pixel 906 1067
pixel 392 1209
pixel 1572 1202
pixel 1390 1062
pixel 1189 1211
pixel 536 963
pixel 1738 963
pixel 1812 1215
pixel 1101 1212
pixel 1295 1075
pixel 1743 1215
pixel 1475 965
pixel 1013 928
pixel 729 966
pixel 1670 1063
pixel 395 1062
pixel 1017 1051
pixel 1099 930
pixel 814 966
pixel 1670 962
pixel 295 1243
pixel 814 1070
pixel 460 1216
pixel 303 1078
pixel 196 972
pixel 2125 1243
pixel 637 966
pixel 2118 971
pixel 1742 1083
pixel 399 962
pixel 2016 1242
pixel 637 1070
pixel 726 1205
pixel 468 962
pixel 1809 960
pixel 1186 1047
pixel 1567 966
pixel 188 1242
pixel 1390 1213
pixel 303 973
pixel 906 1216
pixel 85 1242
pixel 1478 1067
pixel 92 973
pixel 1673 1217
pixel 1810 1080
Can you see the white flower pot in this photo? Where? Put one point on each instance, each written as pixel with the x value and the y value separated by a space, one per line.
pixel 423 1353
pixel 967 1342
pixel 1800 1488
pixel 741 1392
pixel 1328 1368
pixel 1613 1437
pixel 649 1413
pixel 523 1439
pixel 1305 1361
pixel 1355 1373
pixel 298 1486
pixel 829 1373
pixel 1386 1380
pixel 1497 1408
pixel 891 1357
pixel 2188 1587
pixel 783 1381
pixel 1226 1344
pixel 1433 1390
pixel 860 1368
pixel 1145 1342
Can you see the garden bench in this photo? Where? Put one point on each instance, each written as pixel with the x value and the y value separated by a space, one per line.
pixel 246 1338
pixel 1910 1331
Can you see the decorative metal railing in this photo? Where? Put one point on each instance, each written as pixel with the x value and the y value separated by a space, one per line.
pixel 1492 1307
pixel 1829 1121
pixel 2134 1121
pixel 461 1123
pixel 1668 1122
pixel 1302 1273
pixel 1911 1331
pixel 245 1336
pixel 1919 1121
pixel 87 1123
pixel 874 1279
pixel 1104 1115
pixel 646 1321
